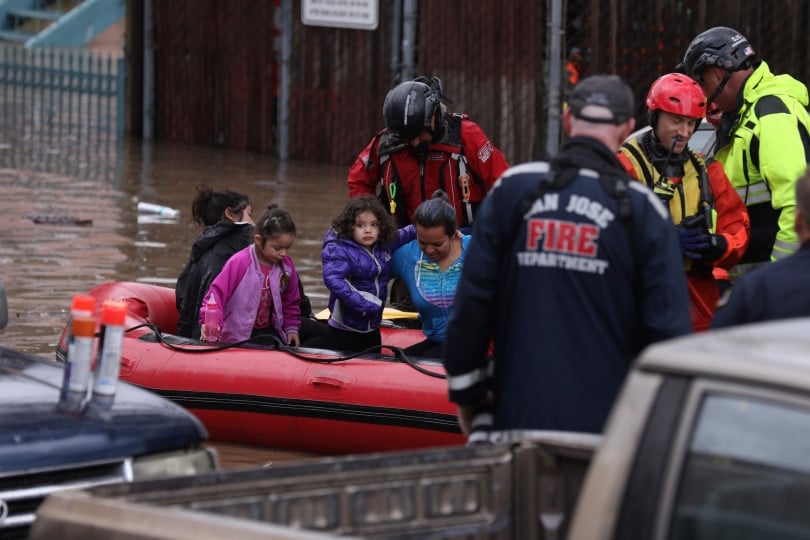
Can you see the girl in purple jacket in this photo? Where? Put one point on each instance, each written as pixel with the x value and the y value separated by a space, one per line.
pixel 257 288
pixel 356 260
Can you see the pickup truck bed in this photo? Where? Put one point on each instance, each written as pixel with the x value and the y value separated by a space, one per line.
pixel 708 440
pixel 457 492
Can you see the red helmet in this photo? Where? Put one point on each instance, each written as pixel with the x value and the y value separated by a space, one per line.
pixel 677 94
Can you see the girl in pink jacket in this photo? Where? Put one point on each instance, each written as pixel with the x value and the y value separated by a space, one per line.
pixel 257 288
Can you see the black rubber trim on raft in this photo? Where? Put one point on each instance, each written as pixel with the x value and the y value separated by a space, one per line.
pixel 326 410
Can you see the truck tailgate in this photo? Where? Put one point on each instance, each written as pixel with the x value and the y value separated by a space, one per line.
pixel 523 490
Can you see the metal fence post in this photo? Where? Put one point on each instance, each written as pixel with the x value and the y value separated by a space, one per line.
pixel 409 21
pixel 554 76
pixel 284 80
pixel 120 87
pixel 396 38
pixel 148 129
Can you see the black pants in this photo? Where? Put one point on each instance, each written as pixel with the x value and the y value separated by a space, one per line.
pixel 265 336
pixel 312 328
pixel 425 349
pixel 343 340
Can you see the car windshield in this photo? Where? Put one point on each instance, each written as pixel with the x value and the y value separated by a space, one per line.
pixel 703 139
pixel 746 474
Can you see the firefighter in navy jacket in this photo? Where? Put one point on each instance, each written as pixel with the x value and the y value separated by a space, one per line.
pixel 572 269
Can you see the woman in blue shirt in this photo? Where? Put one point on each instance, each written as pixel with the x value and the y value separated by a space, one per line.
pixel 430 267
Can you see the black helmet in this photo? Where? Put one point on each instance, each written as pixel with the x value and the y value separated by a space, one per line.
pixel 719 46
pixel 409 106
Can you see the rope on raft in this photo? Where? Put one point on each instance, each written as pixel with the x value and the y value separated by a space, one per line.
pixel 275 342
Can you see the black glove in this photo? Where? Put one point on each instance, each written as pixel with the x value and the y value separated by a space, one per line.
pixel 718 248
pixel 480 427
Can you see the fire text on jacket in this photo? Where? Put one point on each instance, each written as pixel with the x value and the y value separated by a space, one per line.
pixel 562 236
pixel 565 243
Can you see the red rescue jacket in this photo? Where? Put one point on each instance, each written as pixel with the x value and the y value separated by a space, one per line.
pixel 731 222
pixel 463 146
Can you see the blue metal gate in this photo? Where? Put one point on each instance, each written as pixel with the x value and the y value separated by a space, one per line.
pixel 62 111
pixel 67 92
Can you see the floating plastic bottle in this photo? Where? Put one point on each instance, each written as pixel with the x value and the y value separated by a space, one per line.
pixel 159 209
pixel 108 360
pixel 211 326
pixel 81 334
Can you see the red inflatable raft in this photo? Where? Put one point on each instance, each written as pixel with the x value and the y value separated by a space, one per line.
pixel 306 399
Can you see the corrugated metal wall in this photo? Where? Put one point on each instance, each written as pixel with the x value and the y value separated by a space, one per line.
pixel 490 59
pixel 339 81
pixel 216 72
pixel 216 79
pixel 216 68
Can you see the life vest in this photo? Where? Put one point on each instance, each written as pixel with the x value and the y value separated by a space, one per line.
pixel 572 68
pixel 693 194
pixel 450 142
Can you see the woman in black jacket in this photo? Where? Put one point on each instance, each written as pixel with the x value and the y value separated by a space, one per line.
pixel 228 227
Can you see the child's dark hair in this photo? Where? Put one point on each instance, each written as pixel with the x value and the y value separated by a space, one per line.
pixel 209 206
pixel 437 212
pixel 274 221
pixel 344 223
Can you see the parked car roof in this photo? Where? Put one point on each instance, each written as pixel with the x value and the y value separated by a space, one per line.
pixel 33 433
pixel 772 353
pixel 45 450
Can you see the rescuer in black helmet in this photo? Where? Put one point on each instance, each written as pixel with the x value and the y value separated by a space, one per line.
pixel 411 107
pixel 424 148
pixel 762 142
pixel 722 47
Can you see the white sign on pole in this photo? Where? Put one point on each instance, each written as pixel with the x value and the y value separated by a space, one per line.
pixel 361 14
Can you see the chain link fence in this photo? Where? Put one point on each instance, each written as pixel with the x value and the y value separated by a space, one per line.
pixel 642 44
pixel 219 64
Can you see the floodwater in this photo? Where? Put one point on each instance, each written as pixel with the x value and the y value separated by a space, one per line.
pixel 69 221
pixel 48 254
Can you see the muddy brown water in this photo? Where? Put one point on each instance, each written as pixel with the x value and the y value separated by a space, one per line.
pixel 49 253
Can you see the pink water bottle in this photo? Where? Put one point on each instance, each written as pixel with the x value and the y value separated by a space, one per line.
pixel 211 328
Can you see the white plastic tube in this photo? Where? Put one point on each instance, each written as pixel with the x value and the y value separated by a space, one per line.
pixel 159 209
